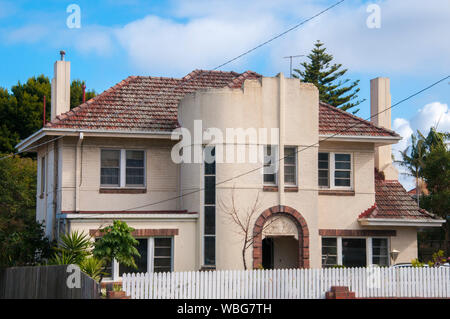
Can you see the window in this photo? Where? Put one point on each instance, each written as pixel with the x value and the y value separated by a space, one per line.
pixel 209 207
pixel 135 168
pixel 156 256
pixel 342 170
pixel 329 252
pixel 380 251
pixel 290 165
pixel 270 165
pixel 324 167
pixel 355 251
pixel 121 168
pixel 43 174
pixel 335 170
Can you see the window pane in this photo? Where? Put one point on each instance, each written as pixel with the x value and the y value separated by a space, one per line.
pixel 323 181
pixel 354 252
pixel 210 190
pixel 342 157
pixel 163 251
pixel 380 254
pixel 342 182
pixel 163 242
pixel 135 168
pixel 210 163
pixel 342 174
pixel 329 252
pixel 141 262
pixel 110 167
pixel 342 165
pixel 210 220
pixel 323 174
pixel 323 169
pixel 323 165
pixel 162 261
pixel 323 156
pixel 210 250
pixel 269 178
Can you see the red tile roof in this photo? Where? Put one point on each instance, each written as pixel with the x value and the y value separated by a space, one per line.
pixel 393 201
pixel 333 120
pixel 142 103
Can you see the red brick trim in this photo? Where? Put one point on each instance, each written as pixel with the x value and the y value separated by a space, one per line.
pixel 122 190
pixel 291 189
pixel 303 234
pixel 142 232
pixel 330 192
pixel 270 188
pixel 357 232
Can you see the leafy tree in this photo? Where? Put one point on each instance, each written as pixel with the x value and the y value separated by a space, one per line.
pixel 76 244
pixel 22 239
pixel 117 243
pixel 327 78
pixel 21 110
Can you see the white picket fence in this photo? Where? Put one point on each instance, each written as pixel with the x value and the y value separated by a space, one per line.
pixel 289 283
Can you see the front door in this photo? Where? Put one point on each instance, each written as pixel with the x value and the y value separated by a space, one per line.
pixel 267 253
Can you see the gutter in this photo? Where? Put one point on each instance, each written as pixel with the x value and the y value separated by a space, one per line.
pixel 168 216
pixel 401 222
pixel 24 144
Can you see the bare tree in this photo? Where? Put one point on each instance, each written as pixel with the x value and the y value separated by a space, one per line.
pixel 244 221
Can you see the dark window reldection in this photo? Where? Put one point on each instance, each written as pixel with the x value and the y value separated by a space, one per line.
pixel 270 176
pixel 209 208
pixel 135 168
pixel 162 259
pixel 290 166
pixel 329 252
pixel 141 262
pixel 324 167
pixel 131 161
pixel 110 168
pixel 354 252
pixel 342 170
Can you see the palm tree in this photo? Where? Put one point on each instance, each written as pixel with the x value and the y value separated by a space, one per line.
pixel 413 160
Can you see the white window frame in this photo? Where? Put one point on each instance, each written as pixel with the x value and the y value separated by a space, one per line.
pixel 150 257
pixel 276 158
pixel 295 164
pixel 369 252
pixel 332 168
pixel 123 168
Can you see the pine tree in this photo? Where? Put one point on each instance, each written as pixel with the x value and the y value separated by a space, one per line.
pixel 326 77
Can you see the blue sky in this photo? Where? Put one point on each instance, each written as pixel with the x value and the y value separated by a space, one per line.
pixel 133 37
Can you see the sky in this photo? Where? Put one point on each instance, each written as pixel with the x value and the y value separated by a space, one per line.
pixel 115 39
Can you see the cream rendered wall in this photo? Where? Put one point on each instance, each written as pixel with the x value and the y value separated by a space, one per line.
pixel 161 176
pixel 406 243
pixel 184 258
pixel 256 105
pixel 341 212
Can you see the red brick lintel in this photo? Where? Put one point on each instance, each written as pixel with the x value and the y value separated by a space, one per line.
pixel 142 232
pixel 357 232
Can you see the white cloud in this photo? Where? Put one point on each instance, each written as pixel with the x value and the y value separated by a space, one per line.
pixel 434 114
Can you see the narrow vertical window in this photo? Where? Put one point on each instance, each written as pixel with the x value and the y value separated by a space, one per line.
pixel 270 165
pixel 329 252
pixel 110 168
pixel 43 174
pixel 209 208
pixel 135 168
pixel 342 170
pixel 380 254
pixel 324 167
pixel 290 165
pixel 162 256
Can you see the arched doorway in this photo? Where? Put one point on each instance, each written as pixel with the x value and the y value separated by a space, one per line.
pixel 300 242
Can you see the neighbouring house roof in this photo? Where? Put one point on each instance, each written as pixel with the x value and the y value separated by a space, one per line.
pixel 393 201
pixel 143 103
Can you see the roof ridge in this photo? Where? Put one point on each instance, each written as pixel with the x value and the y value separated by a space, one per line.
pixel 358 118
pixel 80 107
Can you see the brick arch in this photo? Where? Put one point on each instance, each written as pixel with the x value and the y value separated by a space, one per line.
pixel 303 234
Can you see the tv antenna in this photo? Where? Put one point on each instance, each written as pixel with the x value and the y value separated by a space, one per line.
pixel 290 57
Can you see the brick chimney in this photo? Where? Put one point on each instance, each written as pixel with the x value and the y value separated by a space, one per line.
pixel 380 101
pixel 60 87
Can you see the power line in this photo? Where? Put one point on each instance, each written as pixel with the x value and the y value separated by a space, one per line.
pixel 118 112
pixel 298 151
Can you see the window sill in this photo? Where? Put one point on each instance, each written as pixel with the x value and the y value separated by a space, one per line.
pixel 337 192
pixel 291 189
pixel 123 190
pixel 267 188
pixel 207 268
